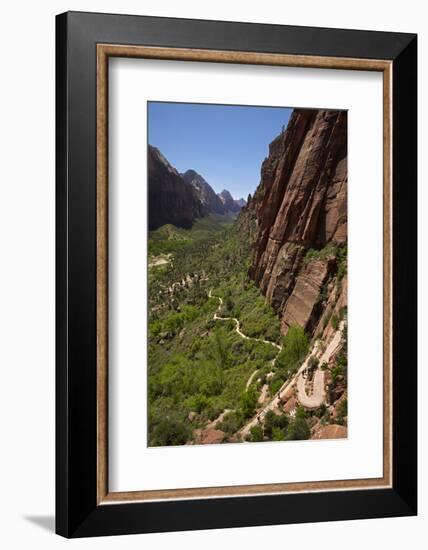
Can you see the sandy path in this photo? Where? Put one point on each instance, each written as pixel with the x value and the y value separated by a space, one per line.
pixel 273 403
pixel 312 401
pixel 318 395
pixel 238 330
pixel 159 260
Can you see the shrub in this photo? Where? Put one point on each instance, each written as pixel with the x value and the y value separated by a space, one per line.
pixel 342 409
pixel 275 385
pixel 275 422
pixel 269 423
pixel 336 371
pixel 278 434
pixel 197 402
pixel 256 434
pixel 334 322
pixel 248 403
pixel 313 362
pixel 295 347
pixel 320 412
pixel 155 328
pixel 298 429
pixel 222 353
pixel 231 422
pixel 301 412
pixel 169 432
pixel 342 255
pixel 326 418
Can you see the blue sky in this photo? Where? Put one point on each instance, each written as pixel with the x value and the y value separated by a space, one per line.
pixel 225 144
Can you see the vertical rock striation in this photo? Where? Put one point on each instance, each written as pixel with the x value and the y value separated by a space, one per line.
pixel 301 204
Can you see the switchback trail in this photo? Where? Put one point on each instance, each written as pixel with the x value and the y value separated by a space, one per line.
pixel 238 326
pixel 308 401
pixel 238 330
pixel 312 401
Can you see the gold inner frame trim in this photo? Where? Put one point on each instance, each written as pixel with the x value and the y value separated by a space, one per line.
pixel 104 51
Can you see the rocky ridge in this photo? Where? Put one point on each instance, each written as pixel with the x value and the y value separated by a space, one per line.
pixel 229 203
pixel 205 192
pixel 179 199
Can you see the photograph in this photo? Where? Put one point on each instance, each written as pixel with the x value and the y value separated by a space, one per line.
pixel 212 275
pixel 247 273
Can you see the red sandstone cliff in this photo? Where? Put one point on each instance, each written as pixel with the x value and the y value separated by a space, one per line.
pixel 301 212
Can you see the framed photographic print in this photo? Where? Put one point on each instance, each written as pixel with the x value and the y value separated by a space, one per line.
pixel 236 274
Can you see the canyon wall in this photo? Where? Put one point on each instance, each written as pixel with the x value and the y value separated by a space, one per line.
pixel 300 207
pixel 171 199
pixel 179 199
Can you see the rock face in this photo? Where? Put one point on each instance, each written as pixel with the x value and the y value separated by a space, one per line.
pixel 211 436
pixel 171 199
pixel 209 199
pixel 300 206
pixel 179 199
pixel 300 307
pixel 331 431
pixel 229 203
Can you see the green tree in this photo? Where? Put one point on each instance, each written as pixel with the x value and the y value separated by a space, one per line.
pixel 298 429
pixel 248 403
pixel 256 434
pixel 169 432
pixel 222 353
pixel 278 434
pixel 295 347
pixel 275 423
pixel 269 423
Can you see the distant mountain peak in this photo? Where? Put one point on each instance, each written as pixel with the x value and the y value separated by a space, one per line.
pixel 179 199
pixel 162 159
pixel 205 192
pixel 229 203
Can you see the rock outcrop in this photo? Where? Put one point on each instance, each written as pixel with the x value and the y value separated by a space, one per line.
pixel 179 199
pixel 331 431
pixel 209 199
pixel 171 199
pixel 301 210
pixel 229 203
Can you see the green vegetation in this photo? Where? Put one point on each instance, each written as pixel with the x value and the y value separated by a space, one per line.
pixel 281 427
pixel 332 249
pixel 295 346
pixel 170 239
pixel 198 367
pixel 231 423
pixel 342 411
pixel 275 423
pixel 298 429
pixel 242 299
pixel 256 434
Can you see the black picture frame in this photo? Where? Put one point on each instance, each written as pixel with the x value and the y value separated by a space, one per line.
pixel 77 511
